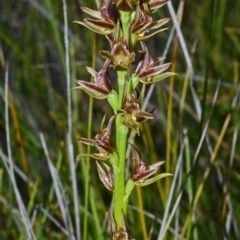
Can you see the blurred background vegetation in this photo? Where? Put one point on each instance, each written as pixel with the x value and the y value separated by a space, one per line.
pixel 32 45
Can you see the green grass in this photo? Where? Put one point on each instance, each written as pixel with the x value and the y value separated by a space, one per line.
pixel 206 175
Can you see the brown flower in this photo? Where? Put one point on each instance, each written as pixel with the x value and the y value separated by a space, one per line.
pixel 106 19
pixel 132 115
pixel 147 72
pixel 143 23
pixel 102 142
pixel 106 175
pixel 101 87
pixel 120 56
pixel 142 171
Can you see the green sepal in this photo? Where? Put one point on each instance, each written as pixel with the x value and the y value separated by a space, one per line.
pixel 159 23
pixel 158 77
pixel 146 37
pixel 162 76
pixel 148 181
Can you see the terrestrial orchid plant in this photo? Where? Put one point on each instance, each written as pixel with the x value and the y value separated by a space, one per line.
pixel 127 24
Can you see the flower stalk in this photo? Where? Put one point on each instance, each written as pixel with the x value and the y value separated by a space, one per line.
pixel 124 23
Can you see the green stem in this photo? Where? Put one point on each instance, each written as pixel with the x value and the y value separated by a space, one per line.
pixel 119 175
pixel 119 169
pixel 120 206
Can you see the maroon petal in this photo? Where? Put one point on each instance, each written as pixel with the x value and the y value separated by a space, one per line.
pixel 105 11
pixel 154 70
pixel 155 4
pixel 103 25
pixel 95 27
pixel 104 147
pixel 93 89
pixel 102 79
pixel 106 176
pixel 159 23
pixel 144 63
pixel 137 155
